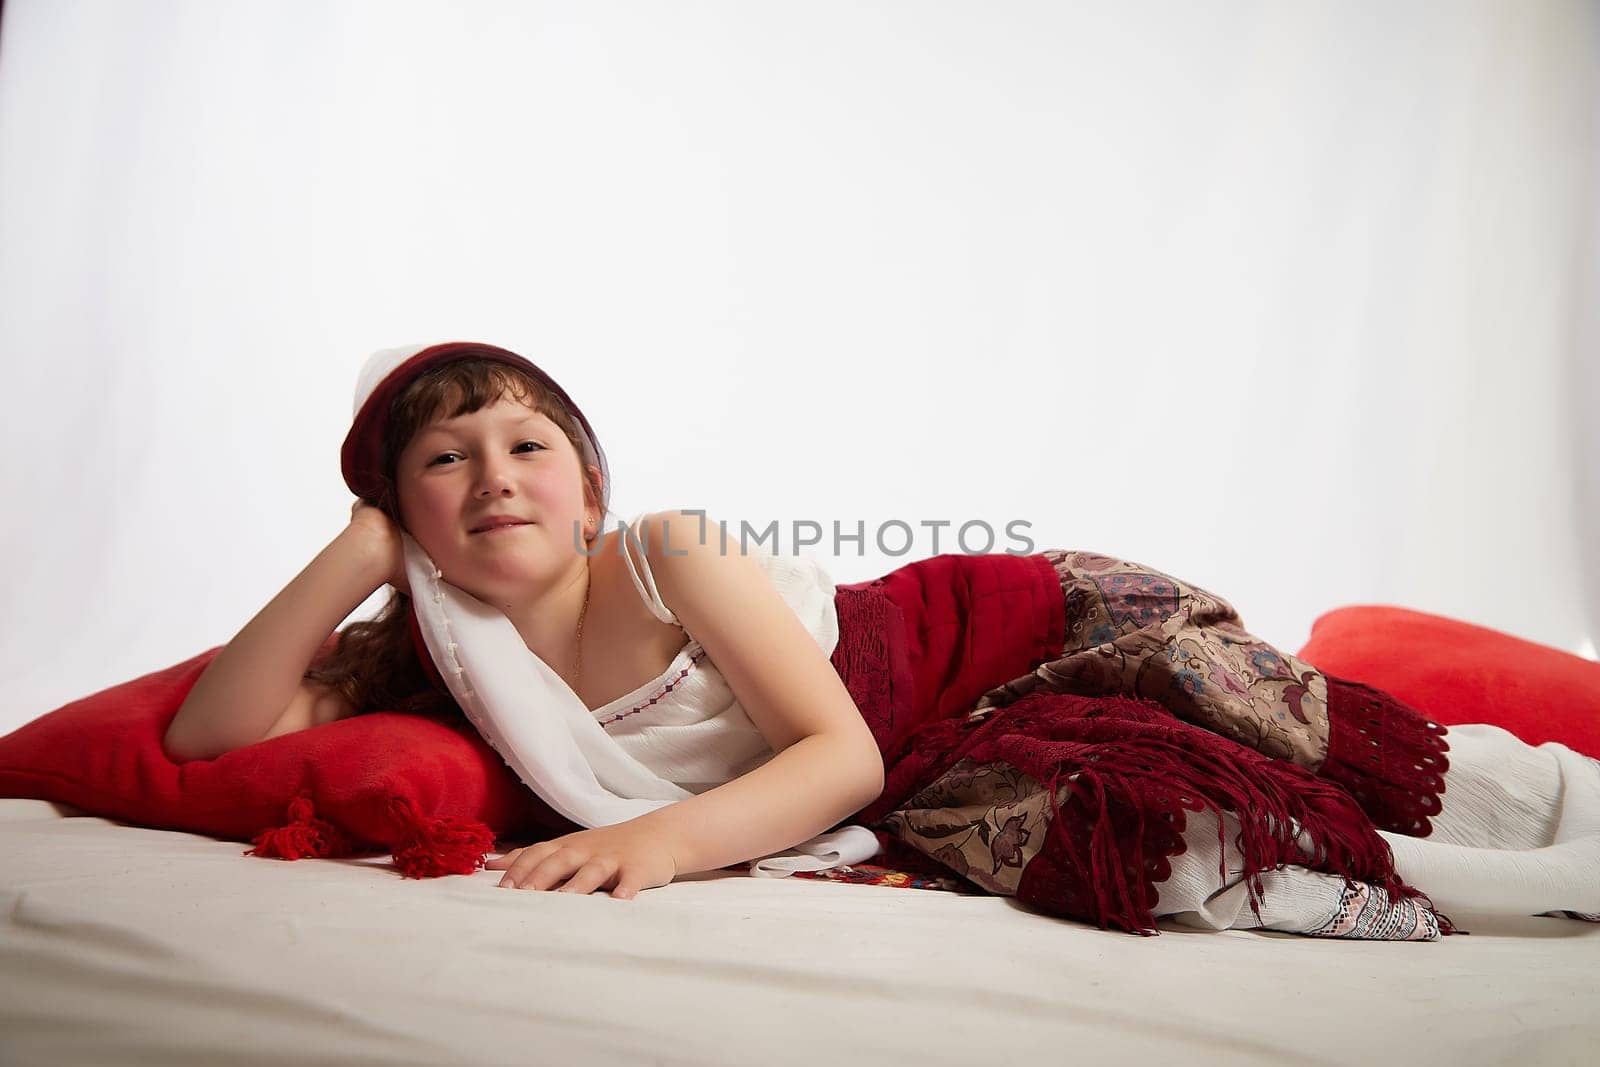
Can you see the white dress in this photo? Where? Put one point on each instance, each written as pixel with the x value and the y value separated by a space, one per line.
pixel 686 724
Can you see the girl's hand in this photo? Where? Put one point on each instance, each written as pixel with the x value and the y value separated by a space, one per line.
pixel 624 858
pixel 380 533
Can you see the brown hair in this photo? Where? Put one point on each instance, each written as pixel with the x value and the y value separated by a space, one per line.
pixel 374 666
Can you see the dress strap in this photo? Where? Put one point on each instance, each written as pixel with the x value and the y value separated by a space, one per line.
pixel 647 583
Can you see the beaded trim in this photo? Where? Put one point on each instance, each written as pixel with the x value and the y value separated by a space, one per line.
pixel 669 687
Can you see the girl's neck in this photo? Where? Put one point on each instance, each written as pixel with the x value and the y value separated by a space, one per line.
pixel 548 624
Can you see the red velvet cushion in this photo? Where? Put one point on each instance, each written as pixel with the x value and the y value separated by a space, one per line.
pixel 1455 672
pixel 430 790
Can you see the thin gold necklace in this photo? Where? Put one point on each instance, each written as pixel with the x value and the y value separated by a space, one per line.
pixel 583 613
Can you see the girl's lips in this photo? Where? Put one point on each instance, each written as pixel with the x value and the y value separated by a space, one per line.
pixel 502 528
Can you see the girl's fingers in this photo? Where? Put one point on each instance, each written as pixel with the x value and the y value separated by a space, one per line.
pixel 517 875
pixel 590 876
pixel 518 869
pixel 502 862
pixel 543 870
pixel 546 865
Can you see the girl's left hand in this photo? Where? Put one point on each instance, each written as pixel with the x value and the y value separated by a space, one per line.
pixel 624 858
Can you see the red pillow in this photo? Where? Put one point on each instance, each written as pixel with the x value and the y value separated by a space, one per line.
pixel 1455 672
pixel 431 791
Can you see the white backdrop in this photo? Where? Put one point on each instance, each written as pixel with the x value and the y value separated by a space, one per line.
pixel 1295 300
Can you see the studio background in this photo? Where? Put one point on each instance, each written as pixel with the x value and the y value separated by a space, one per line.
pixel 1293 300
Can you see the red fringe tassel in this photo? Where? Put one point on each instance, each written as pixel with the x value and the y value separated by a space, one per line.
pixel 304 836
pixel 424 846
pixel 429 846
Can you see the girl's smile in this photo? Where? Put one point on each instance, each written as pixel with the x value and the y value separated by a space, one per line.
pixel 499 524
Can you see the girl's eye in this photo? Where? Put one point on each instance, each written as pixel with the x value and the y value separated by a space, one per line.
pixel 441 459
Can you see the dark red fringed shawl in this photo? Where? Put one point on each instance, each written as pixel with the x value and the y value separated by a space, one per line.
pixel 1386 755
pixel 918 648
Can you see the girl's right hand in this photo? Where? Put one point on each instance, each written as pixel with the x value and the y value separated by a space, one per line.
pixel 382 535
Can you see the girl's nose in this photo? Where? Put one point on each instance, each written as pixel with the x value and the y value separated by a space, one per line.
pixel 493 480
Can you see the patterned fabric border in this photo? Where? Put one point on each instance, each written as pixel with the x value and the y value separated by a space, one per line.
pixel 1135 631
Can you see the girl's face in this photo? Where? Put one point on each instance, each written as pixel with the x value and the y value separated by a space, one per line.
pixel 493 497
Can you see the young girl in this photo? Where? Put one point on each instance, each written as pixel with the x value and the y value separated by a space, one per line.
pixel 1040 725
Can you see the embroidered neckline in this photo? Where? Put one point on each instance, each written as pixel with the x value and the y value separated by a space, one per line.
pixel 658 687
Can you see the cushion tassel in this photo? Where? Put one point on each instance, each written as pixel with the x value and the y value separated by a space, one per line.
pixel 304 836
pixel 427 847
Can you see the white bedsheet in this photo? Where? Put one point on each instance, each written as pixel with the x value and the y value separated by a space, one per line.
pixel 127 945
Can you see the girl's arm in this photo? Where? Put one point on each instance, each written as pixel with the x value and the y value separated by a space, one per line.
pixel 245 690
pixel 826 766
